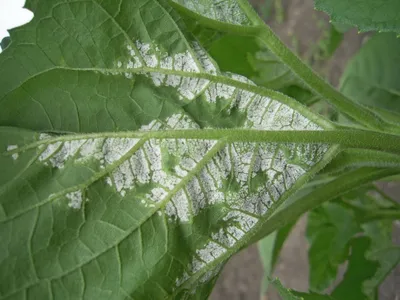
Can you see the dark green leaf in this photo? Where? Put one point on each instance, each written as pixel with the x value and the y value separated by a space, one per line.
pixel 5 42
pixel 367 15
pixel 359 270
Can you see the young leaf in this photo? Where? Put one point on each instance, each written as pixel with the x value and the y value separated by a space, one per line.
pixel 367 15
pixel 330 228
pixel 373 79
pixel 141 167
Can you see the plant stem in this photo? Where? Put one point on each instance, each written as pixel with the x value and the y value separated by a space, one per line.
pixel 353 138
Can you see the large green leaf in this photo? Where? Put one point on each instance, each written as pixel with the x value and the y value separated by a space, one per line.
pixel 132 168
pixel 379 15
pixel 372 78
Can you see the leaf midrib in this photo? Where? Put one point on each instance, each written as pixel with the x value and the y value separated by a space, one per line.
pixel 350 138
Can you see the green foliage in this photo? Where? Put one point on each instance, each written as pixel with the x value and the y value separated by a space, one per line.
pixel 143 143
pixel 287 294
pixel 330 228
pixel 373 207
pixel 367 15
pixel 370 258
pixel 372 77
pixel 359 269
pixel 382 251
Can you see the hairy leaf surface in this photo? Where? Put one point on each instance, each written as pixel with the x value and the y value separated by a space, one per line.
pixel 132 167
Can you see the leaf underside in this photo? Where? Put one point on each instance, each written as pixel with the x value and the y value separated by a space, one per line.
pixel 107 189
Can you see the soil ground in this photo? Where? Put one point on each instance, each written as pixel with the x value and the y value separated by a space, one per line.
pixel 241 277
